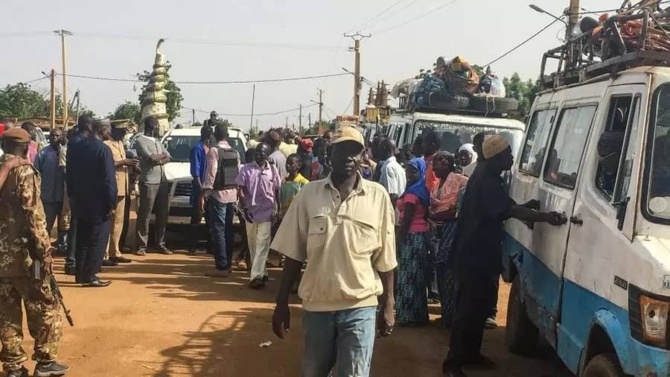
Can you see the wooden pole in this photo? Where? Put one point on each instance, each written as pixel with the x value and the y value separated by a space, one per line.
pixel 253 102
pixel 52 99
pixel 64 72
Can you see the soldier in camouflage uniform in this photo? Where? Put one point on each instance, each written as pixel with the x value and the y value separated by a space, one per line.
pixel 23 240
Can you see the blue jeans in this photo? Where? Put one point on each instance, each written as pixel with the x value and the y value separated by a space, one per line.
pixel 341 342
pixel 221 229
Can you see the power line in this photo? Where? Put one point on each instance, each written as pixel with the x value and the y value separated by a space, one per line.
pixel 522 43
pixel 369 20
pixel 25 34
pixel 428 13
pixel 399 10
pixel 33 80
pixel 301 78
pixel 205 41
pixel 348 106
pixel 246 115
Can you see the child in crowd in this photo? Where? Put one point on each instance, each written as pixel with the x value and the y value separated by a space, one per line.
pixel 293 183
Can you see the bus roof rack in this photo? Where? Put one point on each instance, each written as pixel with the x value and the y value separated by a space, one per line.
pixel 634 37
pixel 462 111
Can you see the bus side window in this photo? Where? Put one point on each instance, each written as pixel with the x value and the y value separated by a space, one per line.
pixel 567 148
pixel 539 130
pixel 612 143
pixel 626 165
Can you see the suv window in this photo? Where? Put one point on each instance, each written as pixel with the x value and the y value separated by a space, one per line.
pixel 535 148
pixel 567 147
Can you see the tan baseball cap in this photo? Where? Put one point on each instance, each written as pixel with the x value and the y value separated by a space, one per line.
pixel 348 133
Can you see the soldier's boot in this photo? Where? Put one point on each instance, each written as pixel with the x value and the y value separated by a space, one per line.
pixel 23 372
pixel 51 369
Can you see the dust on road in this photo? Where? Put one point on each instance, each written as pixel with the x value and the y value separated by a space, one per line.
pixel 161 317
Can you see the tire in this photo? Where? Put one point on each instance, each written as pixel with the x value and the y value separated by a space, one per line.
pixel 440 101
pixel 493 104
pixel 520 334
pixel 604 365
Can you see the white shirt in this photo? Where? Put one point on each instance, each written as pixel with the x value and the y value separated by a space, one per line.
pixel 393 177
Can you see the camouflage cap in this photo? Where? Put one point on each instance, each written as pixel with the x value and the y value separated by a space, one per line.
pixel 16 135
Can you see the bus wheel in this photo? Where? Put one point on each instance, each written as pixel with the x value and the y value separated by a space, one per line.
pixel 520 334
pixel 604 365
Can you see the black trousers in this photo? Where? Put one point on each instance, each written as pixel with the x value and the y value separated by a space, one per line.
pixel 92 239
pixel 126 223
pixel 475 298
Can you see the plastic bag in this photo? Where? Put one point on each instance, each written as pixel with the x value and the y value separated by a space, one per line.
pixel 497 88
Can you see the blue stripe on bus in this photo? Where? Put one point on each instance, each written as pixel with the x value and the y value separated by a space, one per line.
pixel 581 311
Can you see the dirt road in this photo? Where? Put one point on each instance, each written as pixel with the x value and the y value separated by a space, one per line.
pixel 161 317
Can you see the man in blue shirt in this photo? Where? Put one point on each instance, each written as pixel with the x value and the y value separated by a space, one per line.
pixel 198 159
pixel 53 178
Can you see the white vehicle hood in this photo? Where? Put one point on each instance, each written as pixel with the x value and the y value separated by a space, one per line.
pixel 178 171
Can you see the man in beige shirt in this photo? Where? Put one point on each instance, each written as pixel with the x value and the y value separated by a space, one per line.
pixel 113 254
pixel 343 227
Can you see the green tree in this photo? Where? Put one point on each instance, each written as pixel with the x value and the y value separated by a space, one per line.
pixel 128 110
pixel 21 101
pixel 522 91
pixel 323 125
pixel 173 93
pixel 72 109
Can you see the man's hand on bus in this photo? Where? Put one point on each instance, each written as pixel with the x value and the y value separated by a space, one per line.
pixel 554 218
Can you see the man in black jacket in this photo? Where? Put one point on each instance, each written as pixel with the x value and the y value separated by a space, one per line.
pixel 91 180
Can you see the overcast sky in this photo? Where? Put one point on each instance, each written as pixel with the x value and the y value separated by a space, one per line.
pixel 210 40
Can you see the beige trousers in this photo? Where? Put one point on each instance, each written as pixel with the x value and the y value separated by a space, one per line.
pixel 113 249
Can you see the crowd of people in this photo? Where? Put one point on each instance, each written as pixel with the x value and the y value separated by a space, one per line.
pixel 383 232
pixel 380 233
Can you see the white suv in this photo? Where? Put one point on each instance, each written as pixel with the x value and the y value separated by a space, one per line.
pixel 179 143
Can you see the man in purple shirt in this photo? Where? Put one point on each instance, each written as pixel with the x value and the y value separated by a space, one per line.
pixel 259 182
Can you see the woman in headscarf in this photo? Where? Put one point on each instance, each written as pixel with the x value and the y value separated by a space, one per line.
pixel 443 211
pixel 467 159
pixel 411 299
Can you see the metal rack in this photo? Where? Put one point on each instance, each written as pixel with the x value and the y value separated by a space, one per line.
pixel 582 59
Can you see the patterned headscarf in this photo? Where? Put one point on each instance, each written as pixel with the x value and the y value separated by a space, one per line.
pixel 418 188
pixel 449 158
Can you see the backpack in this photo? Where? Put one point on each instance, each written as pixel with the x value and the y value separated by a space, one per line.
pixel 227 168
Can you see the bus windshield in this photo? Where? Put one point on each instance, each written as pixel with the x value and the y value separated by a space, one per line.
pixel 456 134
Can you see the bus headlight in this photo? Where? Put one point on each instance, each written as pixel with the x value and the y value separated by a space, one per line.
pixel 654 320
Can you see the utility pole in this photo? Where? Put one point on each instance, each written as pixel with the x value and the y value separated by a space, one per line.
pixel 309 120
pixel 320 105
pixel 253 101
pixel 358 37
pixel 300 118
pixel 62 34
pixel 192 116
pixel 52 98
pixel 573 20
